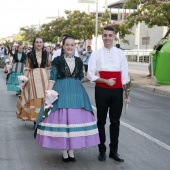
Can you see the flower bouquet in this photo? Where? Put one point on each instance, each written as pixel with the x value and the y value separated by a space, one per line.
pixel 6 61
pixel 5 64
pixel 22 81
pixel 127 92
pixel 51 96
pixel 8 67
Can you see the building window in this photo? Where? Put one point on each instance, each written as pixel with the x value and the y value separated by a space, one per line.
pixel 114 17
pixel 145 40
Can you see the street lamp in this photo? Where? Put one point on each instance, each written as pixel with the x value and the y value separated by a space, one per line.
pixel 96 30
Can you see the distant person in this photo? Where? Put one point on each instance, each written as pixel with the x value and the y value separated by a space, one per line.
pixel 149 66
pixel 118 45
pixel 49 53
pixel 26 50
pixel 86 57
pixel 81 51
pixel 1 50
pixel 18 63
pixel 5 53
pixel 11 54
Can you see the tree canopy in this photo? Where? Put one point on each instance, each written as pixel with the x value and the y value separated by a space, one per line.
pixel 152 12
pixel 29 33
pixel 78 24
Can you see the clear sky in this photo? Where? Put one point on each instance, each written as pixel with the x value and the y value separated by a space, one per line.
pixel 18 13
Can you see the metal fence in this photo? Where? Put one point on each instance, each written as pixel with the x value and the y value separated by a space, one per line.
pixel 138 56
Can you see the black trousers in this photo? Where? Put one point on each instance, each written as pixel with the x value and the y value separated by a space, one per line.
pixel 112 100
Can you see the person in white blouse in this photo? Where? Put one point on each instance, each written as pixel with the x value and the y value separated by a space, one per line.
pixel 108 67
pixel 59 51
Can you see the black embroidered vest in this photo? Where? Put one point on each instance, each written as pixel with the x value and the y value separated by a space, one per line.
pixel 64 70
pixel 23 58
pixel 33 60
pixel 12 54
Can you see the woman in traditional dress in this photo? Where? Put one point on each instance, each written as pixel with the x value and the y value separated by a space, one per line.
pixel 18 63
pixel 11 54
pixel 48 49
pixel 8 62
pixel 4 56
pixel 32 96
pixel 71 123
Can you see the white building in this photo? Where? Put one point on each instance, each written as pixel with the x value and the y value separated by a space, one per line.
pixel 144 38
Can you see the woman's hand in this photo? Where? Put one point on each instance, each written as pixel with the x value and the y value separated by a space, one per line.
pixel 85 79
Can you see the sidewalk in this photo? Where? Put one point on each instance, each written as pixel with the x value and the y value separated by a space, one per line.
pixel 141 81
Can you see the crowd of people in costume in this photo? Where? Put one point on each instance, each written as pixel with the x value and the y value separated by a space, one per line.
pixel 51 95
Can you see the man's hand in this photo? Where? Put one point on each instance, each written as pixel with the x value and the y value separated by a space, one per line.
pixel 111 81
pixel 127 100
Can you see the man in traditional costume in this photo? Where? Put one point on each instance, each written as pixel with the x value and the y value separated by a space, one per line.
pixel 108 67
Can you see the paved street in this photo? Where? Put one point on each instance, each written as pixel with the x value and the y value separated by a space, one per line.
pixel 144 137
pixel 138 68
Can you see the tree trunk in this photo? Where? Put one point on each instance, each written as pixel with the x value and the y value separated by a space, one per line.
pixel 84 43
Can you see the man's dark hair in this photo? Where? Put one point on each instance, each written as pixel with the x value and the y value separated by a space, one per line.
pixel 118 45
pixel 66 35
pixel 109 28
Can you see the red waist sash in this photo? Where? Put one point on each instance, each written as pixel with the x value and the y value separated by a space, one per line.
pixel 108 75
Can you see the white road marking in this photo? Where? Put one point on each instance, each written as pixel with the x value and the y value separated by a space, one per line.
pixel 94 108
pixel 158 142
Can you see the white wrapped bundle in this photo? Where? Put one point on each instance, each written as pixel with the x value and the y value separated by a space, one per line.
pixel 6 61
pixel 8 67
pixel 22 81
pixel 51 96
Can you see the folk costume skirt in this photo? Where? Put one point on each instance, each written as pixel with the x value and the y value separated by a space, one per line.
pixel 12 78
pixel 32 96
pixel 71 123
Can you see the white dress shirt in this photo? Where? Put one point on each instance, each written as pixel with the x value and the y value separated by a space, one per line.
pixel 105 59
pixel 58 53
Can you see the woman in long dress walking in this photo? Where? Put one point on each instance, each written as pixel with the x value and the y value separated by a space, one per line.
pixel 71 123
pixel 32 96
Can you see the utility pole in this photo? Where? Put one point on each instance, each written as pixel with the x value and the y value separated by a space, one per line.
pixel 96 30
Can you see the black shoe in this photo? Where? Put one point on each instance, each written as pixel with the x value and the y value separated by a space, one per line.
pixel 102 157
pixel 72 159
pixel 17 93
pixel 65 159
pixel 116 157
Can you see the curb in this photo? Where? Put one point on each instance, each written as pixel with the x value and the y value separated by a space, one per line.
pixel 151 88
